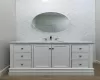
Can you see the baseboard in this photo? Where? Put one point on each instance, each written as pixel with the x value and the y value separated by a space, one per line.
pixel 97 61
pixel 3 71
pixel 67 71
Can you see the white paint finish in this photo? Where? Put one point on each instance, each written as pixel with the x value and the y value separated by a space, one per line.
pixel 22 64
pixel 32 56
pixel 91 57
pixel 11 55
pixel 86 51
pixel 53 71
pixel 22 48
pixel 80 56
pixel 98 29
pixel 21 56
pixel 42 56
pixel 94 52
pixel 81 14
pixel 54 42
pixel 43 60
pixel 7 30
pixel 70 54
pixel 45 0
pixel 80 63
pixel 60 56
pixel 80 48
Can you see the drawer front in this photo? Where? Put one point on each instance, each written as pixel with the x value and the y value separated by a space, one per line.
pixel 80 48
pixel 22 48
pixel 79 63
pixel 79 56
pixel 22 64
pixel 19 56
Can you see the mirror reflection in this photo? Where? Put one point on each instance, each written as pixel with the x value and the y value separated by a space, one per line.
pixel 50 22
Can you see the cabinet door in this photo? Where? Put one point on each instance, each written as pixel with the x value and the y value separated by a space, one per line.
pixel 60 56
pixel 42 56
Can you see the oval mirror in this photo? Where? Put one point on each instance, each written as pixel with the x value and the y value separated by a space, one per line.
pixel 50 22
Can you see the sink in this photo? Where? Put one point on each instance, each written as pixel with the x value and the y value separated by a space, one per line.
pixel 54 41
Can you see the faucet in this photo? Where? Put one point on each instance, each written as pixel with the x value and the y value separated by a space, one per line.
pixel 50 37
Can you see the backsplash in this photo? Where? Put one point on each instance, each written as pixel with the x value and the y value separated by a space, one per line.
pixel 81 14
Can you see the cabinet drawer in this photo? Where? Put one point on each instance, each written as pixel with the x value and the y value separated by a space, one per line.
pixel 79 63
pixel 80 48
pixel 22 64
pixel 79 56
pixel 22 48
pixel 19 56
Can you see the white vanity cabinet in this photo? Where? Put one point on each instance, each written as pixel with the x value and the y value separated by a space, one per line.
pixel 60 56
pixel 22 56
pixel 49 55
pixel 80 56
pixel 28 58
pixel 42 56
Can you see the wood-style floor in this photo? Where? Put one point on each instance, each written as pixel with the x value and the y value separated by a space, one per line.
pixel 96 77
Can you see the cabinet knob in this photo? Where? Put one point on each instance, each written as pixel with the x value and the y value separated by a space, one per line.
pixel 52 48
pixel 80 56
pixel 80 48
pixel 21 64
pixel 80 64
pixel 22 48
pixel 21 55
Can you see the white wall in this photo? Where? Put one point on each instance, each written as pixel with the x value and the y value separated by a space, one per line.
pixel 98 29
pixel 81 14
pixel 7 29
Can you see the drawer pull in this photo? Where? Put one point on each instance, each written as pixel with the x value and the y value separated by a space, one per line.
pixel 22 48
pixel 80 64
pixel 21 64
pixel 80 48
pixel 80 56
pixel 50 48
pixel 21 55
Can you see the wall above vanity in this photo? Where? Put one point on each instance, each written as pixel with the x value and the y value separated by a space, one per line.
pixel 80 16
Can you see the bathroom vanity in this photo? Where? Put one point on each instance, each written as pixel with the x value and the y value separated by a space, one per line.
pixel 72 21
pixel 51 58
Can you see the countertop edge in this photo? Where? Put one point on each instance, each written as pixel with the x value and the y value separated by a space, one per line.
pixel 78 42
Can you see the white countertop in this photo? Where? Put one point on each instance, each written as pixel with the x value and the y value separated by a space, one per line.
pixel 52 42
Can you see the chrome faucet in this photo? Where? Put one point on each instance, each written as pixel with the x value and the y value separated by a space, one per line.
pixel 50 37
